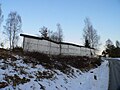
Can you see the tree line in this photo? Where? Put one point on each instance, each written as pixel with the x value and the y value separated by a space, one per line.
pixel 49 34
pixel 111 50
pixel 13 25
pixel 90 37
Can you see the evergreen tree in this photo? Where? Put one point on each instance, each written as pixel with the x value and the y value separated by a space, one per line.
pixel 87 44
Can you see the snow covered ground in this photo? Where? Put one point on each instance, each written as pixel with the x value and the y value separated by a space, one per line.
pixel 95 79
pixel 115 58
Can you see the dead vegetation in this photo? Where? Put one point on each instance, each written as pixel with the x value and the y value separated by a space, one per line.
pixel 15 80
pixel 3 84
pixel 61 62
pixel 50 62
pixel 6 54
pixel 44 75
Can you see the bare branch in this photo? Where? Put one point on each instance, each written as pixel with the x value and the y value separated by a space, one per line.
pixel 90 34
pixel 13 28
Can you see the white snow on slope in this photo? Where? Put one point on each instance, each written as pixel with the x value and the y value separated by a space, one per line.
pixel 95 79
pixel 115 58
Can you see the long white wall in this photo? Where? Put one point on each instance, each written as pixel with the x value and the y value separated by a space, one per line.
pixel 44 46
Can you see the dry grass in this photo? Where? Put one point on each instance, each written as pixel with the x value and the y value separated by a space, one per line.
pixel 15 80
pixel 62 63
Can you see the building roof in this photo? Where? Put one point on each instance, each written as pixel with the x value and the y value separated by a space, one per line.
pixel 42 38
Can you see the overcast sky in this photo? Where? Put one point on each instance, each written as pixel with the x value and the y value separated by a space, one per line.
pixel 104 16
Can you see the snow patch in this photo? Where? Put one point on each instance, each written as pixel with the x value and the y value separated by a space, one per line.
pixel 95 79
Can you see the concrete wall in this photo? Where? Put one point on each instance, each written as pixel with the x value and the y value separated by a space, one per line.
pixel 44 46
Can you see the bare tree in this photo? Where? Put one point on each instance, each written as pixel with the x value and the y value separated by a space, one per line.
pixel 60 33
pixel 50 33
pixel 90 34
pixel 1 20
pixel 54 37
pixel 44 32
pixel 1 15
pixel 13 28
